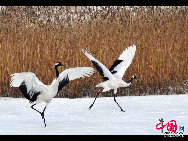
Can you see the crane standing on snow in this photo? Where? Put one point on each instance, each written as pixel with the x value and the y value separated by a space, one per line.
pixel 113 76
pixel 34 90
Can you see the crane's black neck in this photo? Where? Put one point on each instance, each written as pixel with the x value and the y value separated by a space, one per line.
pixel 57 72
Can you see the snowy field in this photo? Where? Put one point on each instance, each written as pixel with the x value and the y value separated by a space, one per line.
pixel 71 116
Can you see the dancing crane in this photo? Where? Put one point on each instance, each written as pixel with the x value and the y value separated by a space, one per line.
pixel 35 91
pixel 113 77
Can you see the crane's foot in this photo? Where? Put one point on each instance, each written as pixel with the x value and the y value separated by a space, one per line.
pixel 122 110
pixel 90 106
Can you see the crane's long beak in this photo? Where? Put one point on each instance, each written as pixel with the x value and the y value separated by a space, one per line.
pixel 64 65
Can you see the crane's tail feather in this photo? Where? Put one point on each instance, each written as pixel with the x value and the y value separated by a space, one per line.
pixel 105 87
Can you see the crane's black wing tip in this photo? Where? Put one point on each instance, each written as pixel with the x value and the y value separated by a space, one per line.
pixel 98 67
pixel 116 63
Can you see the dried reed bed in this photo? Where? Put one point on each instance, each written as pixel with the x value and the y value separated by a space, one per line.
pixel 160 34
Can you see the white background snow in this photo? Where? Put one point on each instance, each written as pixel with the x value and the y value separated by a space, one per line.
pixel 71 116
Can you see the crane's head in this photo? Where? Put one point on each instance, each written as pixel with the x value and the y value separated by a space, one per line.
pixel 57 64
pixel 133 77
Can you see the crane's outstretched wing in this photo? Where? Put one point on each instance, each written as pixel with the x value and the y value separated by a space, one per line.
pixel 123 62
pixel 104 72
pixel 72 73
pixel 28 84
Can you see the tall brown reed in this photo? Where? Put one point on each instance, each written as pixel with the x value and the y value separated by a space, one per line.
pixel 33 38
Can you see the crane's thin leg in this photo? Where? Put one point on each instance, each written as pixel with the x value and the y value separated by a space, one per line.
pixel 42 114
pixel 117 103
pixel 94 101
pixel 34 108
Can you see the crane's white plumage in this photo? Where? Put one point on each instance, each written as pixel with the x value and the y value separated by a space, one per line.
pixel 30 79
pixel 113 76
pixel 100 67
pixel 74 73
pixel 34 85
pixel 126 58
pixel 34 90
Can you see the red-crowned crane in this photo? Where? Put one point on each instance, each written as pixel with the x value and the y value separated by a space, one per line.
pixel 113 76
pixel 35 91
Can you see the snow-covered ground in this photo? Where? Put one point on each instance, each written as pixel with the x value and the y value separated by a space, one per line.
pixel 71 116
